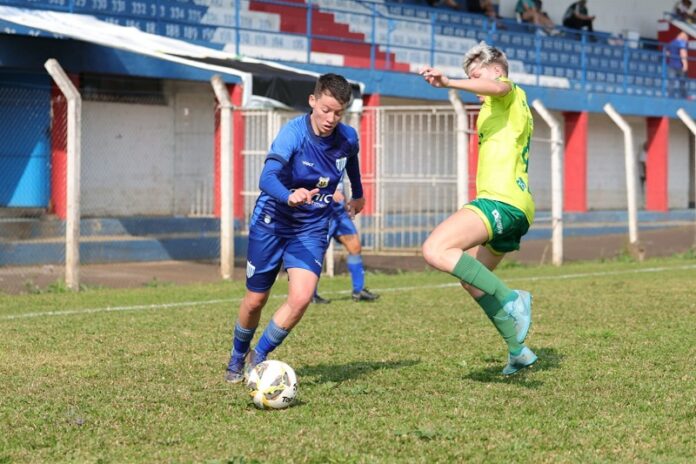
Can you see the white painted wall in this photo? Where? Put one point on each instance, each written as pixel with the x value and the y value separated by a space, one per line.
pixel 606 182
pixel 678 173
pixel 148 159
pixel 612 15
pixel 540 162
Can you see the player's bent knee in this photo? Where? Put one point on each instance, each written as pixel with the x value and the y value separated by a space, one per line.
pixel 432 254
pixel 254 302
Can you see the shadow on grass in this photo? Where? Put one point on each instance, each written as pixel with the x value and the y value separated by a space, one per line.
pixel 336 373
pixel 549 359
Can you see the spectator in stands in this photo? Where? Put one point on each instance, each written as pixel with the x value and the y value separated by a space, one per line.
pixel 529 13
pixel 482 7
pixel 681 11
pixel 678 65
pixel 540 8
pixel 449 3
pixel 577 17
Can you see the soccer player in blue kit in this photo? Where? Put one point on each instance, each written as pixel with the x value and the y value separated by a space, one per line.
pixel 342 229
pixel 290 222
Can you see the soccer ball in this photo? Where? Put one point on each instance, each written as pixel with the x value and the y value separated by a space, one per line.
pixel 272 385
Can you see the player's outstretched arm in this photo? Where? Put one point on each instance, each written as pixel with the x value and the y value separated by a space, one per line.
pixel 485 87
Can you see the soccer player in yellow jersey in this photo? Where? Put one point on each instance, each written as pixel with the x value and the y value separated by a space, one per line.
pixel 471 242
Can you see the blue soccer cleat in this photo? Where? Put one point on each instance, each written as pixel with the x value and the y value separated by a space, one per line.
pixel 521 311
pixel 525 359
pixel 235 369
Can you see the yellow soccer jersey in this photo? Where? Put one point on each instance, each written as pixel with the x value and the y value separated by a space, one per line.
pixel 505 128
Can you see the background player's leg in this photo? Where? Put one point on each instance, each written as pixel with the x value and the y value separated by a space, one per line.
pixel 351 242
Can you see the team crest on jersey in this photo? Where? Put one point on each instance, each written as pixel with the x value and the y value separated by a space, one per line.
pixel 341 164
pixel 250 270
pixel 323 182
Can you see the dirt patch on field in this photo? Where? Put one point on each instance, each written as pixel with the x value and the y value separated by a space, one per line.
pixel 659 242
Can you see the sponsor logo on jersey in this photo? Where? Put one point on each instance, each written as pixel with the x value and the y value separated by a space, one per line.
pixel 498 221
pixel 307 163
pixel 341 164
pixel 250 270
pixel 323 182
pixel 325 198
pixel 521 184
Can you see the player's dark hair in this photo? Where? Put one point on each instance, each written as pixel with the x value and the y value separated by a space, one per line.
pixel 335 85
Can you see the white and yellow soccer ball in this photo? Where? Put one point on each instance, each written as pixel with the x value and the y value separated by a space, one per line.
pixel 272 385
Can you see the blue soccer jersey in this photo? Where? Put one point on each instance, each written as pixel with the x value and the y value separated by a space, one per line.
pixel 309 162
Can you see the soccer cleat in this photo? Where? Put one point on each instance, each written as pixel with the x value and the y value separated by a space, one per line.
pixel 316 299
pixel 521 311
pixel 252 360
pixel 525 359
pixel 235 369
pixel 364 295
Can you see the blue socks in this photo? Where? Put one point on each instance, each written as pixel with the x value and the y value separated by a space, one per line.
pixel 357 272
pixel 241 342
pixel 272 337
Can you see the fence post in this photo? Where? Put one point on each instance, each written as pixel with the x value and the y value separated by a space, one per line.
pixel 226 179
pixel 630 163
pixel 72 219
pixel 462 149
pixel 556 183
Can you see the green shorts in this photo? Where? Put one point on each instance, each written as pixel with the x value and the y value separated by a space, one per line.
pixel 506 224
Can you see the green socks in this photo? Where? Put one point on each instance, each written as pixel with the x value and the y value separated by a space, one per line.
pixel 502 321
pixel 471 271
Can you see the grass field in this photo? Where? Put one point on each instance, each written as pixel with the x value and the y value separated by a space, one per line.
pixel 136 375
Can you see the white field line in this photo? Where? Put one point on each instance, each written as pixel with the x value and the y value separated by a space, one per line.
pixel 108 309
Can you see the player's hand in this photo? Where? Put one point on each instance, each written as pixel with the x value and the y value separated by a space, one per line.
pixel 354 206
pixel 339 197
pixel 302 196
pixel 434 77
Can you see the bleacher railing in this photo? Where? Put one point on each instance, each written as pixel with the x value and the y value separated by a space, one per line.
pixel 399 37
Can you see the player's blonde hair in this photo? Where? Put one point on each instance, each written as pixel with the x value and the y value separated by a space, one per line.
pixel 484 55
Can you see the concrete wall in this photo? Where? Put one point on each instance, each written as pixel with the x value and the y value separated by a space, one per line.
pixel 148 159
pixel 606 181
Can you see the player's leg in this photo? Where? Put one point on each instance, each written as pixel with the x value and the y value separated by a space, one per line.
pixel 303 257
pixel 344 231
pixel 503 322
pixel 512 319
pixel 264 257
pixel 443 249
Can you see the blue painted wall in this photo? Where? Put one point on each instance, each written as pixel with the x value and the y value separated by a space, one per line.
pixel 25 143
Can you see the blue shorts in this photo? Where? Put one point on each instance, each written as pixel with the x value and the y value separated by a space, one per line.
pixel 340 223
pixel 268 251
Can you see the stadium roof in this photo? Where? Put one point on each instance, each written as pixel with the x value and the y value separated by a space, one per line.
pixel 265 83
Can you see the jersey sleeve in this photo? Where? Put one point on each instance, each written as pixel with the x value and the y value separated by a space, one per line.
pixel 286 144
pixel 509 97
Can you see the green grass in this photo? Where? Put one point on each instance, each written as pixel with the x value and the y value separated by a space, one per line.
pixel 414 377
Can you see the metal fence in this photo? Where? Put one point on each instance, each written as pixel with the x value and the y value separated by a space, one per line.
pixel 410 180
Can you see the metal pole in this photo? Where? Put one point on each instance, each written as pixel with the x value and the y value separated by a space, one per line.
pixel 556 183
pixel 72 220
pixel 226 178
pixel 631 179
pixel 462 149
